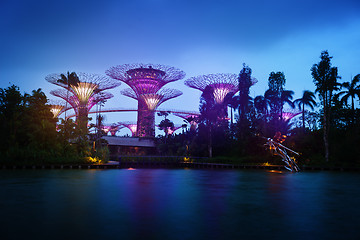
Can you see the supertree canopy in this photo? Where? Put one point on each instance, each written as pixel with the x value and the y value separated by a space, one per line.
pixel 87 83
pixel 190 118
pixel 112 128
pixel 56 107
pixel 221 83
pixel 132 126
pixel 82 91
pixel 76 104
pixel 152 100
pixel 288 114
pixel 146 81
pixel 145 78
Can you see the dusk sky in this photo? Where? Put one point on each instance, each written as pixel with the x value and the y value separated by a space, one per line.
pixel 199 37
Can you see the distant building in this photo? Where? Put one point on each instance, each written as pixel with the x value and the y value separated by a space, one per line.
pixel 130 146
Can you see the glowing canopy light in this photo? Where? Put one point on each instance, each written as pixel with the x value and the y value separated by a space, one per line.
pixel 57 107
pixel 56 110
pixel 102 82
pixel 191 118
pixel 176 127
pixel 153 100
pixel 114 129
pixel 221 83
pixel 145 78
pixel 288 114
pixel 80 92
pixel 74 101
pixel 84 91
pixel 131 126
pixel 145 82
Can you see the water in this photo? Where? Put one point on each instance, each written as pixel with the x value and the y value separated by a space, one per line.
pixel 178 204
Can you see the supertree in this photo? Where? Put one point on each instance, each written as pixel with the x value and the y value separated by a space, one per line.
pixel 146 81
pixel 57 107
pixel 176 127
pixel 192 119
pixel 132 126
pixel 74 102
pixel 112 128
pixel 288 114
pixel 222 84
pixel 82 92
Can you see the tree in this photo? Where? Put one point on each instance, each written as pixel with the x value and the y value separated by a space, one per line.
pixel 307 99
pixel 352 91
pixel 276 85
pixel 12 105
pixel 325 79
pixel 166 125
pixel 212 114
pixel 244 86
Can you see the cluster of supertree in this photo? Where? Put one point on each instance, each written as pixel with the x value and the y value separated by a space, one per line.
pixel 82 91
pixel 132 126
pixel 146 82
pixel 112 128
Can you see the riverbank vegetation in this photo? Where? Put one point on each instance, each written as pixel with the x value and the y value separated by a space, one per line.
pixel 325 132
pixel 30 133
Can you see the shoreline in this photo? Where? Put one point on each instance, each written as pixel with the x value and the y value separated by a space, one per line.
pixel 172 165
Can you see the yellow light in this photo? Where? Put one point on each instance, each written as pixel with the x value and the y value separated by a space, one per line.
pixel 84 91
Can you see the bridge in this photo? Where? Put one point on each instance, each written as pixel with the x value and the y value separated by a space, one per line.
pixel 111 110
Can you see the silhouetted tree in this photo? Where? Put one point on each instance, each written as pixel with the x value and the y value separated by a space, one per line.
pixel 276 83
pixel 307 99
pixel 352 91
pixel 244 86
pixel 325 79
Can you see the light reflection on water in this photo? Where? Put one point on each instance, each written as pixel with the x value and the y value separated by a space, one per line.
pixel 178 204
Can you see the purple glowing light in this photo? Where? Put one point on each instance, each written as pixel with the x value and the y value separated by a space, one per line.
pixel 221 83
pixel 131 126
pixel 289 114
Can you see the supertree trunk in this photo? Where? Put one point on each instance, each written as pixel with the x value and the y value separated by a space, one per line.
pixel 145 122
pixel 82 119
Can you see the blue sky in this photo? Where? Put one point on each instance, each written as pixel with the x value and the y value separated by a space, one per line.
pixel 199 37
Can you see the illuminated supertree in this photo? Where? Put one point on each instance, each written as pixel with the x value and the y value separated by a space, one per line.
pixel 82 93
pixel 112 128
pixel 75 103
pixel 222 84
pixel 56 107
pixel 288 114
pixel 146 81
pixel 176 127
pixel 192 119
pixel 132 126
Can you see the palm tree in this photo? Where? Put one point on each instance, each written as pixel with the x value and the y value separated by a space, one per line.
pixel 307 99
pixel 71 79
pixel 352 90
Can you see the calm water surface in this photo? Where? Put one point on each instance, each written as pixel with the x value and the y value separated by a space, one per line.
pixel 178 204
